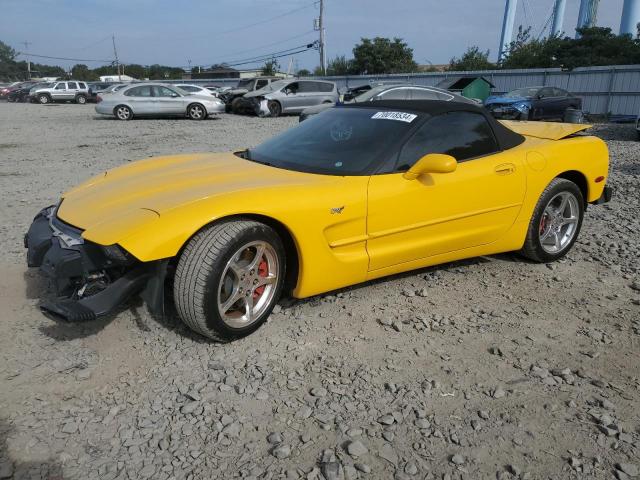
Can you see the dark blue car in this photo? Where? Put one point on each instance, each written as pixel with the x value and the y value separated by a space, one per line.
pixel 533 103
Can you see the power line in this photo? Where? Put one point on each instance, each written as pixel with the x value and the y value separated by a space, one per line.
pixel 267 45
pixel 546 24
pixel 244 27
pixel 270 57
pixel 266 56
pixel 268 19
pixel 26 54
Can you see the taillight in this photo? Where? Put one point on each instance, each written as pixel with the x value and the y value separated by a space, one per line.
pixel 98 99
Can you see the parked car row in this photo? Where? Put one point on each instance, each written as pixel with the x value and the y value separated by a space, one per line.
pixel 273 96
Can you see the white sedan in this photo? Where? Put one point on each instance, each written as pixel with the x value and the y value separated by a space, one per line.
pixel 197 89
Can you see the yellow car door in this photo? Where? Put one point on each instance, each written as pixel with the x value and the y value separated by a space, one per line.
pixel 438 213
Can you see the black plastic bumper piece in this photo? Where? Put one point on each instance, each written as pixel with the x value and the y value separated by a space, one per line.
pixel 103 302
pixel 607 193
pixel 38 240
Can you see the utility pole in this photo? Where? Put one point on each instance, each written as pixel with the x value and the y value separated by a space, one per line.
pixel 320 28
pixel 26 49
pixel 115 54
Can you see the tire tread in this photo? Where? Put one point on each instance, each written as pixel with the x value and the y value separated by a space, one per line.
pixel 529 249
pixel 194 266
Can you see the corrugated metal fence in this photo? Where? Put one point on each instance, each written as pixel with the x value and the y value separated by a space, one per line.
pixel 611 89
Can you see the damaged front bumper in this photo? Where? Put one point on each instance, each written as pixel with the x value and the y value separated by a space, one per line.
pixel 89 280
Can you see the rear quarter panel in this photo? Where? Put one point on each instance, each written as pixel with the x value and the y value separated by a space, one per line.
pixel 548 159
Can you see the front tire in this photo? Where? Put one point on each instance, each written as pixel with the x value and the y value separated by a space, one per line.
pixel 236 106
pixel 555 223
pixel 195 111
pixel 275 109
pixel 44 99
pixel 228 279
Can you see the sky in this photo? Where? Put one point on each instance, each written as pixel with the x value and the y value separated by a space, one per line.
pixel 206 32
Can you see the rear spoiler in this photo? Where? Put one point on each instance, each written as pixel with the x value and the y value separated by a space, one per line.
pixel 545 130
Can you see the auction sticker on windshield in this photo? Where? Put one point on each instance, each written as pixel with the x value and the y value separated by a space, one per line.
pixel 400 116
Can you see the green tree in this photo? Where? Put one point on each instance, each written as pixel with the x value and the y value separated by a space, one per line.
pixel 304 73
pixel 340 65
pixel 39 70
pixel 472 59
pixel 136 71
pixel 82 72
pixel 9 68
pixel 383 55
pixel 270 67
pixel 162 72
pixel 317 72
pixel 595 46
pixel 526 52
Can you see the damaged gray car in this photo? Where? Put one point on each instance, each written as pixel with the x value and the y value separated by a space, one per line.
pixel 291 96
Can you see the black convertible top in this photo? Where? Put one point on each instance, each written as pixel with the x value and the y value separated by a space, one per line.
pixel 506 138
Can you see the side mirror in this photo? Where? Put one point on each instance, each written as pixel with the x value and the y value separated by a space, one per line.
pixel 432 163
pixel 174 95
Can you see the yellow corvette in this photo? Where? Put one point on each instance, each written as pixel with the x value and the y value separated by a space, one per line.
pixel 355 193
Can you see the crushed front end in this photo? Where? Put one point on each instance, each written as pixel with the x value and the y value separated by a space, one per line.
pixel 89 280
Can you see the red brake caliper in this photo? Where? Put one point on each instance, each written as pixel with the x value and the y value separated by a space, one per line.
pixel 543 223
pixel 263 271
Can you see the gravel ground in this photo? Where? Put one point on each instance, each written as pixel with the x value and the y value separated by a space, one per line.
pixel 487 368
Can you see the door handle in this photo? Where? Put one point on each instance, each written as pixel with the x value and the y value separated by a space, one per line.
pixel 505 169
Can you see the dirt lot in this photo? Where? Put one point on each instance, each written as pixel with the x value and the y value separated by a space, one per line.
pixel 488 368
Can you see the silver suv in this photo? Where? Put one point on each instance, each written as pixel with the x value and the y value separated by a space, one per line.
pixel 292 96
pixel 69 90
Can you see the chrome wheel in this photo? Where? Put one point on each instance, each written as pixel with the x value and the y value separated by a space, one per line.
pixel 559 222
pixel 123 113
pixel 43 99
pixel 81 100
pixel 248 284
pixel 196 112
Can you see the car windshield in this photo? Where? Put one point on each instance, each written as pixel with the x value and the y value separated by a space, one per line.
pixel 245 83
pixel 523 92
pixel 339 141
pixel 273 86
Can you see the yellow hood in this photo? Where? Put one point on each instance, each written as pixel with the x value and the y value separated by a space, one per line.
pixel 113 204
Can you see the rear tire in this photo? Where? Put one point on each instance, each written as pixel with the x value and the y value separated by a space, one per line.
pixel 228 279
pixel 275 109
pixel 196 111
pixel 81 99
pixel 555 223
